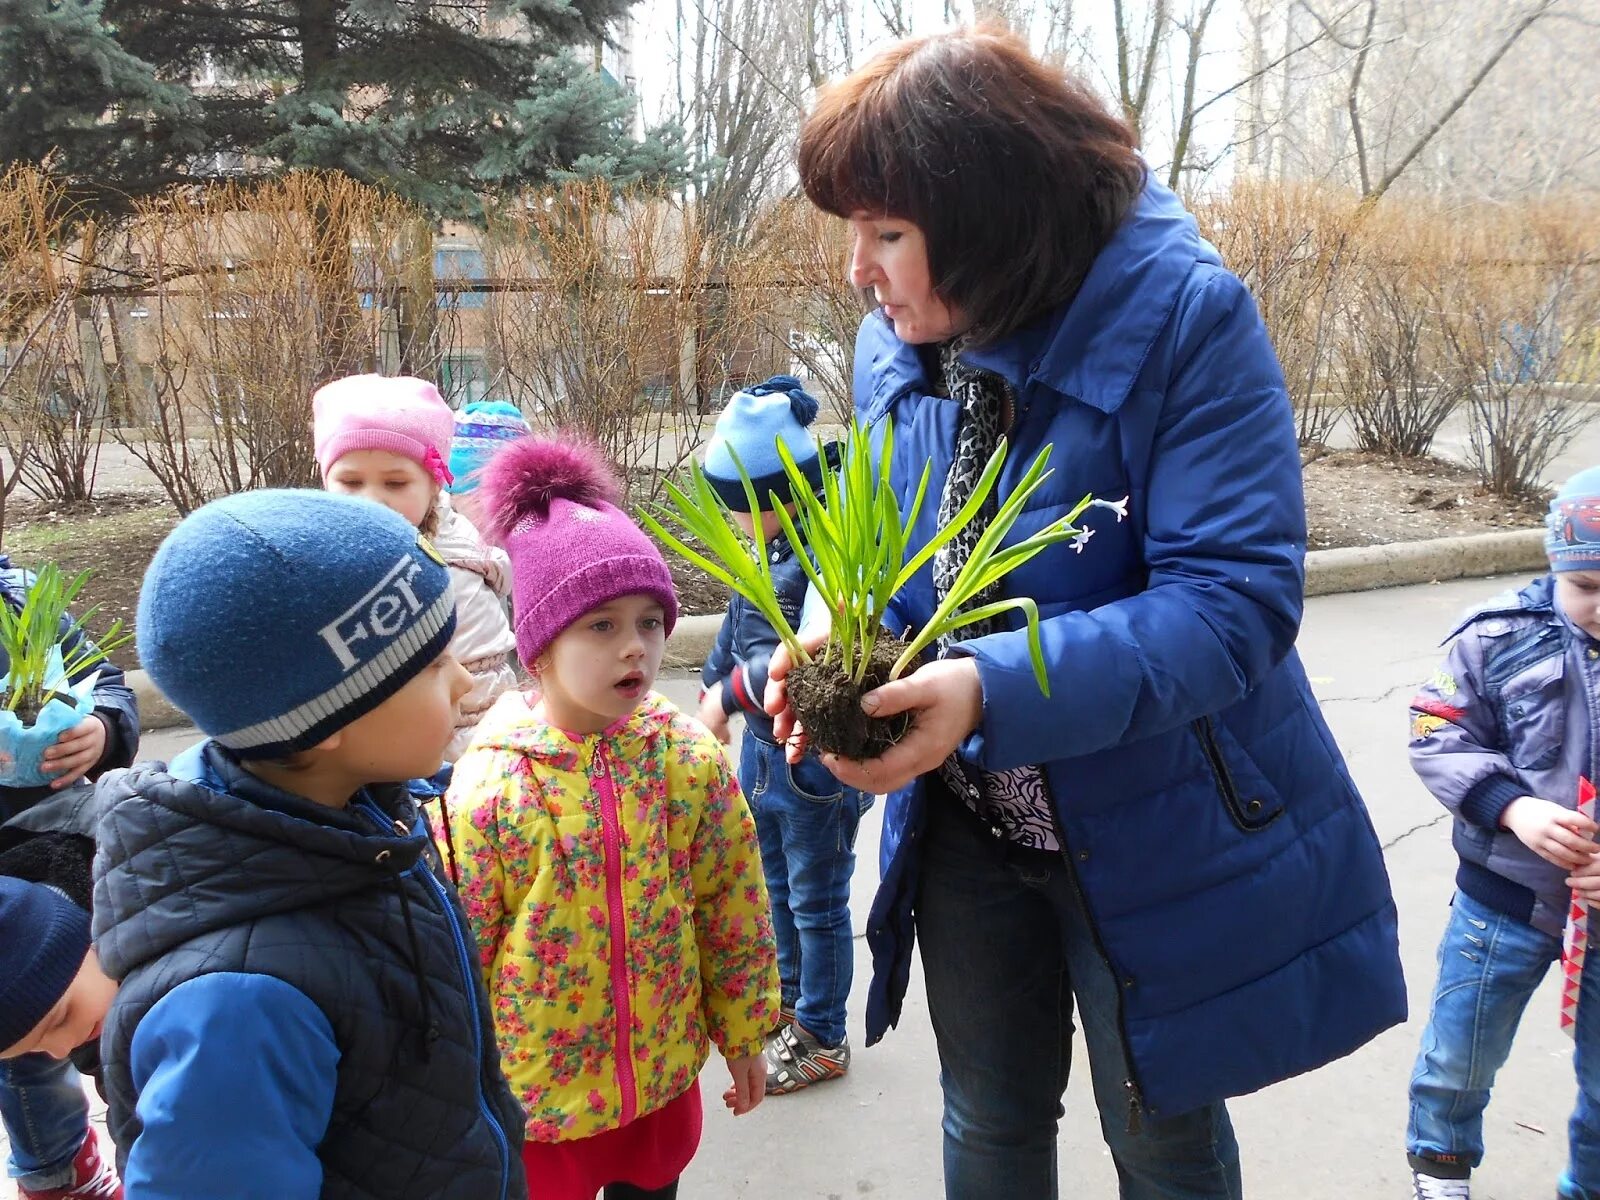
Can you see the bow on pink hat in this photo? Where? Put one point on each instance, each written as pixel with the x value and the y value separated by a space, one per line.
pixel 400 414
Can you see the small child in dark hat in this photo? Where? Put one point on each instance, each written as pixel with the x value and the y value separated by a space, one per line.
pixel 1501 734
pixel 53 998
pixel 298 1013
pixel 53 994
pixel 807 819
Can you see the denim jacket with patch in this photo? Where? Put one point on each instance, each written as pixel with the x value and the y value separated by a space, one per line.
pixel 1510 713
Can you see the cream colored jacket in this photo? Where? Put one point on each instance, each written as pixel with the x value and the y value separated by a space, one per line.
pixel 480 576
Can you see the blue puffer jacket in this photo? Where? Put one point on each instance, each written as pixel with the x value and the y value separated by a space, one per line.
pixel 1231 870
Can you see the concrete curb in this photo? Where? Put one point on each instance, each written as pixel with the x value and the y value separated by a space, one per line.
pixel 1353 569
pixel 1476 556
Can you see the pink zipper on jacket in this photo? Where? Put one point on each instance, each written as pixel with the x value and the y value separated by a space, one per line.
pixel 612 826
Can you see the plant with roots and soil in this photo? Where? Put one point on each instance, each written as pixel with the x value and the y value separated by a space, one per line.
pixel 851 540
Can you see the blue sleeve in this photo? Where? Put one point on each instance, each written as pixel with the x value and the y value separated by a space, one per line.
pixel 1224 547
pixel 114 702
pixel 235 1079
pixel 720 661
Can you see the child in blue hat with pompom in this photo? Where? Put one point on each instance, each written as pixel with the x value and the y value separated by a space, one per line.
pixel 806 819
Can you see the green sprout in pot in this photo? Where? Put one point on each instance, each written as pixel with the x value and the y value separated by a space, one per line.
pixel 31 639
pixel 851 540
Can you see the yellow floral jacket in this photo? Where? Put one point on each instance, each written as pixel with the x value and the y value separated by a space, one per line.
pixel 614 885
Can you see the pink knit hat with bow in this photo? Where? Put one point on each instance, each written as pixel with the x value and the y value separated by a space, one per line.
pixel 400 414
pixel 553 506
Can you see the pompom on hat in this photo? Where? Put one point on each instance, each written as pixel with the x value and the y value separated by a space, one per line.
pixel 1572 526
pixel 400 414
pixel 748 432
pixel 43 940
pixel 553 506
pixel 482 427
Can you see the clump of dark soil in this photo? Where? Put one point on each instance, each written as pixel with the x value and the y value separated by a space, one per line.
pixel 828 704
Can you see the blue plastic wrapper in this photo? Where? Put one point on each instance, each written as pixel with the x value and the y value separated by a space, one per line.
pixel 22 746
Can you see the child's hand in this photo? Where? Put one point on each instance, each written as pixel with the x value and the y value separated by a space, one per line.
pixel 712 716
pixel 1556 834
pixel 1586 881
pixel 749 1083
pixel 75 752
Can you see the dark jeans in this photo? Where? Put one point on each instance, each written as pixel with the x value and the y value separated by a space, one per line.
pixel 1007 949
pixel 46 1116
pixel 807 821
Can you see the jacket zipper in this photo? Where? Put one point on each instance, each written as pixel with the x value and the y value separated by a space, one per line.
pixel 612 829
pixel 1130 1085
pixel 464 961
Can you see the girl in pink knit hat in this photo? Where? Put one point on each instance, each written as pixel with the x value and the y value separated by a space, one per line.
pixel 606 858
pixel 387 439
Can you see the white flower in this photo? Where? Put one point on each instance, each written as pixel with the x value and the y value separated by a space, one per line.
pixel 1120 507
pixel 1081 540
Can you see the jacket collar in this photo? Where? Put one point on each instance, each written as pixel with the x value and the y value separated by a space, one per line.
pixel 1094 347
pixel 1537 599
pixel 207 845
pixel 513 725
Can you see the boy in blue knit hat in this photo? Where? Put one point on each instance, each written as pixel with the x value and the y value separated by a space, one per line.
pixel 1501 735
pixel 806 819
pixel 300 1011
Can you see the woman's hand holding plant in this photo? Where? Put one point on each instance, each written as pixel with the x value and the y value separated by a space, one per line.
pixel 786 727
pixel 946 698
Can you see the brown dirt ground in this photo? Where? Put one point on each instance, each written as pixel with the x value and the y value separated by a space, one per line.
pixel 1352 499
pixel 1355 498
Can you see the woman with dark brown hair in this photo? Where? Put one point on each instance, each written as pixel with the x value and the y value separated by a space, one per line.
pixel 1169 843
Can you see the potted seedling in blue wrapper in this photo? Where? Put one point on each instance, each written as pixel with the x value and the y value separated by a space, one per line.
pixel 852 541
pixel 38 699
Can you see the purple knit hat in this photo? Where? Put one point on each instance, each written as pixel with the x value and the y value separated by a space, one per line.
pixel 553 506
pixel 400 414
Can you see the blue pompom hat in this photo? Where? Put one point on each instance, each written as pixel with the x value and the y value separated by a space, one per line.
pixel 275 618
pixel 482 428
pixel 1572 526
pixel 752 424
pixel 43 940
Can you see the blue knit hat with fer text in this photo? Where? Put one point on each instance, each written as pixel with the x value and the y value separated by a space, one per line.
pixel 275 618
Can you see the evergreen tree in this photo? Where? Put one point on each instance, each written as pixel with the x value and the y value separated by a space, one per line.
pixel 435 101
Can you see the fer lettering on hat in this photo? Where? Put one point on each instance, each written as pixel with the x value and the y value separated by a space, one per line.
pixel 381 613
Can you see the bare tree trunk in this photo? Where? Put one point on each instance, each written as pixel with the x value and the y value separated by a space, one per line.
pixel 1140 61
pixel 1353 98
pixel 1516 31
pixel 1195 31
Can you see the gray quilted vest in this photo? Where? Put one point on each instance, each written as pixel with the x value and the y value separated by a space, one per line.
pixel 192 879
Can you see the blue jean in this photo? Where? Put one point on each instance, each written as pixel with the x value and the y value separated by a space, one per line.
pixel 1489 966
pixel 1007 949
pixel 807 821
pixel 46 1116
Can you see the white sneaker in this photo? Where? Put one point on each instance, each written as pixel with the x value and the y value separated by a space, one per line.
pixel 1431 1187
